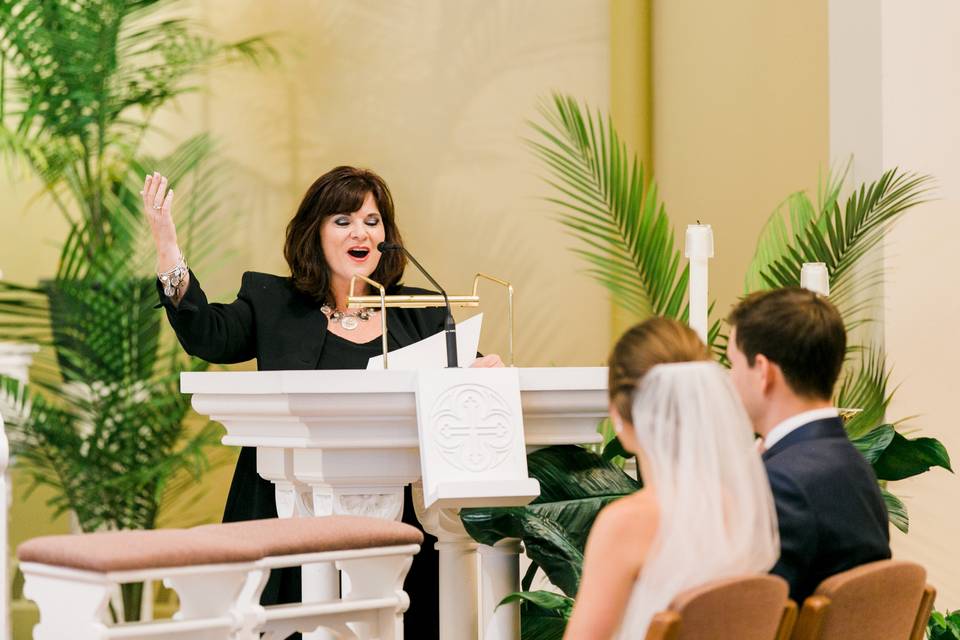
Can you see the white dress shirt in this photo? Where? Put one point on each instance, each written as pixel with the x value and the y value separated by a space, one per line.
pixel 793 423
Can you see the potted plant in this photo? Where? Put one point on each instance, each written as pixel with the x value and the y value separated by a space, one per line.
pixel 102 420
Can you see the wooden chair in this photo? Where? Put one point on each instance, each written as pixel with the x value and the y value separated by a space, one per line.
pixel 219 572
pixel 746 608
pixel 885 600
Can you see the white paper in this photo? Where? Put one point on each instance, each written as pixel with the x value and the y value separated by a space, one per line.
pixel 431 353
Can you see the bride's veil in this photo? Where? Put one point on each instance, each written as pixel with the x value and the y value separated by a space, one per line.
pixel 717 517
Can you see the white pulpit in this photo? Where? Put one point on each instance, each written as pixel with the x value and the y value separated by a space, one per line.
pixel 346 442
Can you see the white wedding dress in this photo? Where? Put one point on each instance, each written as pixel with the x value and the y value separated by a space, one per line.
pixel 717 517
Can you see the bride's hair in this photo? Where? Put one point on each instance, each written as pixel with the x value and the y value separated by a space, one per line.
pixel 642 347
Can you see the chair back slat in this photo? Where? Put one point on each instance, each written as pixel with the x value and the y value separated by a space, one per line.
pixel 876 601
pixel 744 608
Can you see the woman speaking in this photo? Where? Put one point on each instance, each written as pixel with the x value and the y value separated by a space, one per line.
pixel 302 322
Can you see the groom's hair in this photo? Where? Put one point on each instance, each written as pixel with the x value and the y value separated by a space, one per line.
pixel 642 347
pixel 800 331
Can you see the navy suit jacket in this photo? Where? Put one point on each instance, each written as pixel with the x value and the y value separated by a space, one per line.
pixel 831 513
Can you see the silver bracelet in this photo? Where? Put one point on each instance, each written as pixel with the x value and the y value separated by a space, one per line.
pixel 173 278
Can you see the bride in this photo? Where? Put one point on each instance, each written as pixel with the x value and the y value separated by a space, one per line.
pixel 705 512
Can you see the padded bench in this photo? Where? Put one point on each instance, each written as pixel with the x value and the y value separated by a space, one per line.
pixel 219 572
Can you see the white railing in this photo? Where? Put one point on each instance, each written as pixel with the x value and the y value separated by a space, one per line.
pixel 222 601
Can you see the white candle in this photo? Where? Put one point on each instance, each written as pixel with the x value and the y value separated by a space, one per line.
pixel 698 250
pixel 814 276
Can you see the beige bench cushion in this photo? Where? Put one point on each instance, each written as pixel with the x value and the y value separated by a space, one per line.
pixel 215 543
pixel 288 536
pixel 133 550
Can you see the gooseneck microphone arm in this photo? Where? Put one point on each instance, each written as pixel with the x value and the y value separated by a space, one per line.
pixel 449 326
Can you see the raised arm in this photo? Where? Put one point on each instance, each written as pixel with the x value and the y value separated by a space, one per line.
pixel 158 208
pixel 221 333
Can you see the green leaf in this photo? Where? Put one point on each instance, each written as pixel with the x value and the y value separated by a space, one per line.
pixel 904 458
pixel 541 627
pixel 552 603
pixel 615 449
pixel 575 485
pixel 545 541
pixel 873 444
pixel 896 511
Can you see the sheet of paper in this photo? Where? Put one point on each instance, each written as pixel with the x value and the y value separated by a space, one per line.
pixel 431 353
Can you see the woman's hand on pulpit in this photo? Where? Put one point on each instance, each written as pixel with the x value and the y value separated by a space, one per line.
pixel 487 362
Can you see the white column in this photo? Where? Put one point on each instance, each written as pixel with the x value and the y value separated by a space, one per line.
pixel 4 572
pixel 458 586
pixel 15 362
pixel 500 576
pixel 894 99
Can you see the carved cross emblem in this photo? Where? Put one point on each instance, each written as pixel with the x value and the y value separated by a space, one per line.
pixel 472 427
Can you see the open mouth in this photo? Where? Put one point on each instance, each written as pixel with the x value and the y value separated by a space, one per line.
pixel 358 253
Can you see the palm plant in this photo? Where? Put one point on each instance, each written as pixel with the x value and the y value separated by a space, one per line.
pixel 626 238
pixel 102 420
pixel 842 238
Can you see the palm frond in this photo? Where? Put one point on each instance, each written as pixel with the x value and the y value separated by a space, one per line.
pixel 864 386
pixel 610 206
pixel 839 239
pixel 789 220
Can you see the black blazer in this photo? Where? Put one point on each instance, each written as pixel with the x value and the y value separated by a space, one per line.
pixel 831 513
pixel 276 324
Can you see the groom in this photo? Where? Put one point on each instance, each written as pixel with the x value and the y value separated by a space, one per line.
pixel 786 349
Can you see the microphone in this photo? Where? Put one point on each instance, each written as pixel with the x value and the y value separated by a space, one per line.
pixel 449 326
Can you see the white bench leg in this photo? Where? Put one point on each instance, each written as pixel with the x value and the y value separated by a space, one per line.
pixel 378 578
pixel 68 608
pixel 216 594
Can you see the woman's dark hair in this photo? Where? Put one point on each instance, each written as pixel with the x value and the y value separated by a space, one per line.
pixel 340 190
pixel 642 347
pixel 798 330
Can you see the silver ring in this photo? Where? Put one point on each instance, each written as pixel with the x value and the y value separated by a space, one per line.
pixel 156 206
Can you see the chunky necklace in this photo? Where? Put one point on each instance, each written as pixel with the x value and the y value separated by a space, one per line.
pixel 348 321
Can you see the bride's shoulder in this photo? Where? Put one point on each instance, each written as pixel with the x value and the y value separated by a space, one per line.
pixel 635 515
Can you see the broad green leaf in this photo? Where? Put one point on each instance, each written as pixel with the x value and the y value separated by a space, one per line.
pixel 873 443
pixel 904 458
pixel 896 511
pixel 541 627
pixel 550 602
pixel 615 449
pixel 545 541
pixel 575 485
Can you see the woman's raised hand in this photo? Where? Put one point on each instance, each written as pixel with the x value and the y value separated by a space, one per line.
pixel 157 206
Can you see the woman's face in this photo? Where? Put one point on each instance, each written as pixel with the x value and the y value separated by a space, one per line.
pixel 349 241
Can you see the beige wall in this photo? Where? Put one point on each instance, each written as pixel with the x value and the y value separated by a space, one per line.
pixel 740 118
pixel 433 95
pixel 920 102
